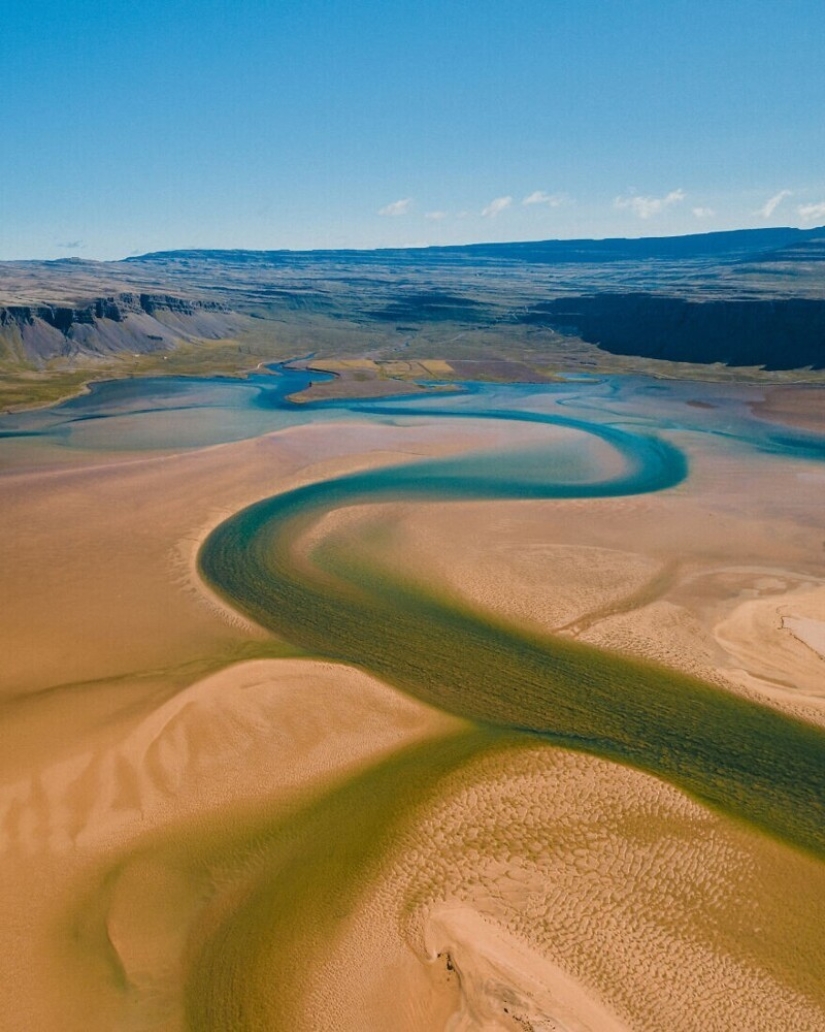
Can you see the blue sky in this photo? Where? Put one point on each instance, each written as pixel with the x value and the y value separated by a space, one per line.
pixel 136 126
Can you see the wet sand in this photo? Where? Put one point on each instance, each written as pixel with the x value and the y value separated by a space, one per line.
pixel 793 406
pixel 132 702
pixel 723 578
pixel 152 739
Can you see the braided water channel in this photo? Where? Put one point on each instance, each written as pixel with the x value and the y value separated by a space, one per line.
pixel 748 761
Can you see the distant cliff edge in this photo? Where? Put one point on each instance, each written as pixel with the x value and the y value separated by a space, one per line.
pixel 748 298
pixel 127 322
pixel 777 334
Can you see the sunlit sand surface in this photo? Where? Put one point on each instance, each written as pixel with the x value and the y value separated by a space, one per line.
pixel 200 829
pixel 571 893
pixel 117 840
pixel 793 406
pixel 722 578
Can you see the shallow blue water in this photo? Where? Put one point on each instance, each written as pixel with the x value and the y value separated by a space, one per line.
pixel 172 413
pixel 747 760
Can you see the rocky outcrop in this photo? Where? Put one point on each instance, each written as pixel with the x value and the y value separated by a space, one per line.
pixel 778 334
pixel 128 322
pixel 744 297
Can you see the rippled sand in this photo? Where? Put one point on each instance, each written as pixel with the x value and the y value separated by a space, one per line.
pixel 152 741
pixel 723 577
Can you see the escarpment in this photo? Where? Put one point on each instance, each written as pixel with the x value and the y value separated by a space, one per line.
pixel 124 322
pixel 746 298
pixel 780 333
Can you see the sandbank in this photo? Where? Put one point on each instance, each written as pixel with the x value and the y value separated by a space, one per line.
pixel 91 875
pixel 152 737
pixel 548 889
pixel 131 704
pixel 794 406
pixel 676 577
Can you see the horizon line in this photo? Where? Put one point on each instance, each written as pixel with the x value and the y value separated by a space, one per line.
pixel 418 247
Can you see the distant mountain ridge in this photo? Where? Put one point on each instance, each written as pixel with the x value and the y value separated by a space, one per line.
pixel 733 243
pixel 748 297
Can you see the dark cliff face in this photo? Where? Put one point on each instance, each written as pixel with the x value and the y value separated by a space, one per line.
pixel 115 308
pixel 777 334
pixel 745 297
pixel 121 322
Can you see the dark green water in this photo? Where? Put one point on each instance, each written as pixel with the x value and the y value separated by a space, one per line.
pixel 301 876
pixel 744 759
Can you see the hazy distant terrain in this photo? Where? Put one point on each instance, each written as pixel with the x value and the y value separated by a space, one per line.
pixel 748 298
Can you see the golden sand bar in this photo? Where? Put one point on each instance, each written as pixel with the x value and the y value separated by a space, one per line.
pixel 150 737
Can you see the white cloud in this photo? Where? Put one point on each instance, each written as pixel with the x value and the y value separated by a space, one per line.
pixel 541 197
pixel 401 207
pixel 496 206
pixel 644 207
pixel 812 212
pixel 436 216
pixel 703 213
pixel 770 206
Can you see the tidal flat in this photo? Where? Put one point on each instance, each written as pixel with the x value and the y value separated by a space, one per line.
pixel 496 709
